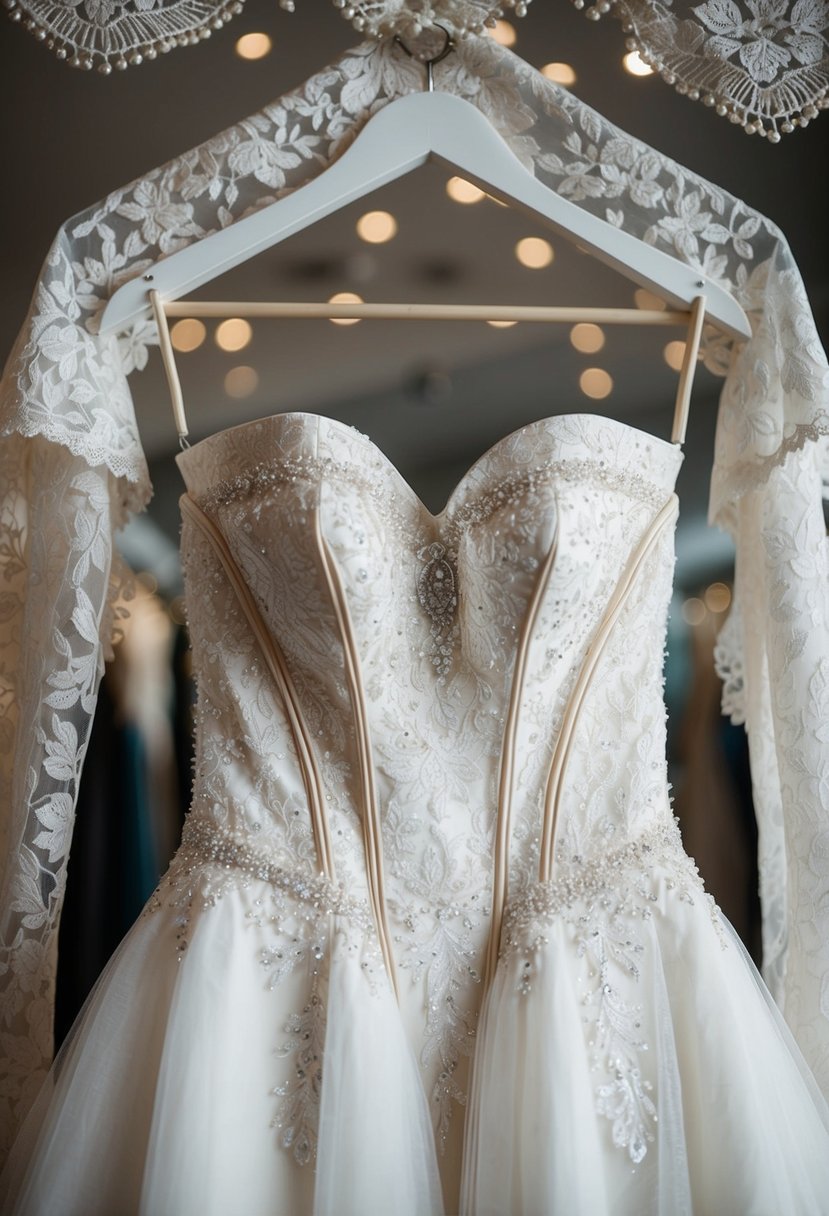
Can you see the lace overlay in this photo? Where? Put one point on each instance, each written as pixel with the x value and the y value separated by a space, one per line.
pixel 74 468
pixel 761 63
pixel 107 34
pixel 602 898
pixel 436 724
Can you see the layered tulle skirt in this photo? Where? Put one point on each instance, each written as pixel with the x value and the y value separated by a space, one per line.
pixel 628 1062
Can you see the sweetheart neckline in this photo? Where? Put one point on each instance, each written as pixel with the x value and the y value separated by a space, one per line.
pixel 305 416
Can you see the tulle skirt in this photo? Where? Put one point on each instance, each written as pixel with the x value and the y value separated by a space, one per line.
pixel 641 1068
pixel 640 1075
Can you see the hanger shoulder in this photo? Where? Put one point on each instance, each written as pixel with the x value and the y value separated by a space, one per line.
pixel 400 137
pixel 469 143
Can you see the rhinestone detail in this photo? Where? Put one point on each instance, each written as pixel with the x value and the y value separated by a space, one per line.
pixel 621 880
pixel 205 847
pixel 377 483
pixel 437 583
pixel 438 597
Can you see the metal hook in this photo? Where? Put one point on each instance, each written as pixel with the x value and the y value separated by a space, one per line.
pixel 429 64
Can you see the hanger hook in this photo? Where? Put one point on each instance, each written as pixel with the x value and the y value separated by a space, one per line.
pixel 429 64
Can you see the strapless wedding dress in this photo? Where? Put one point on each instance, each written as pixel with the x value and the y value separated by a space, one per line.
pixel 431 942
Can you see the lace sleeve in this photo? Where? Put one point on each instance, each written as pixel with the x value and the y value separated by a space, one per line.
pixel 73 468
pixel 56 523
pixel 728 660
pixel 778 653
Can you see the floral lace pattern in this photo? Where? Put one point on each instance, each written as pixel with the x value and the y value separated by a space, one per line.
pixel 603 898
pixel 71 453
pixel 761 63
pixel 436 729
pixel 108 34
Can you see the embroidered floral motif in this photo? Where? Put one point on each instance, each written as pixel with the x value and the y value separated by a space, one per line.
pixel 66 386
pixel 766 39
pixel 298 1117
pixel 602 898
pixel 762 63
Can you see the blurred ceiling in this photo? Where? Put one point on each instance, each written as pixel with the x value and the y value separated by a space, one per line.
pixel 433 397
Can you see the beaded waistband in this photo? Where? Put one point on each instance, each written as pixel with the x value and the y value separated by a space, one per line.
pixel 205 844
pixel 607 879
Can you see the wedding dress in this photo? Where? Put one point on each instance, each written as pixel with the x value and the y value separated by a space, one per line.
pixel 431 942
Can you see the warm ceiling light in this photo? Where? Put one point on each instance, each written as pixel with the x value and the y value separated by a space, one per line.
pixel 376 227
pixel 503 33
pixel 241 381
pixel 534 252
pixel 717 597
pixel 233 334
pixel 502 324
pixel 635 64
pixel 463 191
pixel 647 301
pixel 595 383
pixel 345 297
pixel 694 611
pixel 587 338
pixel 188 334
pixel 560 73
pixel 253 46
pixel 673 354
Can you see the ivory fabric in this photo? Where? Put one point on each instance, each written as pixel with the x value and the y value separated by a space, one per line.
pixel 73 470
pixel 296 1026
pixel 760 63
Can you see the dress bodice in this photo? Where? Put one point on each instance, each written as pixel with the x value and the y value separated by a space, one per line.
pixel 431 944
pixel 523 563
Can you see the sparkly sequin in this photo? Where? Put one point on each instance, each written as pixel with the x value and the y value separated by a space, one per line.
pixel 207 849
pixel 437 605
pixel 603 899
pixel 622 878
pixel 437 591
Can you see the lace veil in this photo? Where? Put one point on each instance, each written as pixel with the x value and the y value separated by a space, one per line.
pixel 73 469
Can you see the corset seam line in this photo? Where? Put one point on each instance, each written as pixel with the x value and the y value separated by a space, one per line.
pixel 575 701
pixel 276 664
pixel 503 819
pixel 372 829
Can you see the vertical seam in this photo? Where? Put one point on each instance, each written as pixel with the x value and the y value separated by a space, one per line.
pixel 372 828
pixel 595 650
pixel 275 661
pixel 503 820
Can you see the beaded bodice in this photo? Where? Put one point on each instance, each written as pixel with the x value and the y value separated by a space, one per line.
pixel 448 655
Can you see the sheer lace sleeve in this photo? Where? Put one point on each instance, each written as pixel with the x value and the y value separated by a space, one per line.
pixel 57 517
pixel 73 469
pixel 70 468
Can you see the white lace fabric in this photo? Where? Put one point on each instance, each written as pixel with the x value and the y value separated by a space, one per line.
pixel 284 1051
pixel 761 63
pixel 73 468
pixel 107 34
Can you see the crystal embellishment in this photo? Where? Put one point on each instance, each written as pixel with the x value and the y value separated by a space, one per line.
pixel 437 593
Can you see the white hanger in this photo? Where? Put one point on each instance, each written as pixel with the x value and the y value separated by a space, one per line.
pixel 402 136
